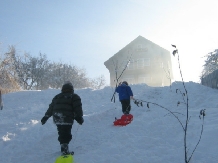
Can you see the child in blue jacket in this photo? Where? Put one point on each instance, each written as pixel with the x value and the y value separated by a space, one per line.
pixel 125 94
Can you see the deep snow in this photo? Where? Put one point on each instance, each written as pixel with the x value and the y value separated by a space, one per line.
pixel 154 136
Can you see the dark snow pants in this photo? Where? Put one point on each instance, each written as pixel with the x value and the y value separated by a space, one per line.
pixel 126 107
pixel 64 133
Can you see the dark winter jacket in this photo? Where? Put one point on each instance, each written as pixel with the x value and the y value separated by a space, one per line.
pixel 124 92
pixel 65 107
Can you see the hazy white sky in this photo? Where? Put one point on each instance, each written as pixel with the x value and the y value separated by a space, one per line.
pixel 87 33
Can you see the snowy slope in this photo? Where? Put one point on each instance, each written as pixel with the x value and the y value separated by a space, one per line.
pixel 154 136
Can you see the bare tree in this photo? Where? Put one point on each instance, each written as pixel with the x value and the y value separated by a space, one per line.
pixel 211 63
pixel 27 72
pixel 23 70
pixel 59 73
pixel 8 80
pixel 38 68
pixel 98 82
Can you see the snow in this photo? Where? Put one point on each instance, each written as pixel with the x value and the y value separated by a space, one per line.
pixel 154 136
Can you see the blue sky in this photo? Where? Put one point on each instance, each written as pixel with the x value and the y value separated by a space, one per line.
pixel 87 33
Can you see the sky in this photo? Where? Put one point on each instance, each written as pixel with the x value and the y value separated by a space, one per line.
pixel 87 33
pixel 153 136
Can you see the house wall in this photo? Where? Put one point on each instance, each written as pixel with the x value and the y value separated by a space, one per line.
pixel 147 62
pixel 211 80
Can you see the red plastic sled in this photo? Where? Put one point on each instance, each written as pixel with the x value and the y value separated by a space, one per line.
pixel 124 120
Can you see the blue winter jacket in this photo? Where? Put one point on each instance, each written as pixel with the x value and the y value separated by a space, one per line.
pixel 124 92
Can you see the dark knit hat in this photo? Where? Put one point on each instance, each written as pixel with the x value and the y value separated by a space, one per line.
pixel 68 87
pixel 125 82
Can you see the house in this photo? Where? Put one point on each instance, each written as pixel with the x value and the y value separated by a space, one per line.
pixel 210 80
pixel 141 61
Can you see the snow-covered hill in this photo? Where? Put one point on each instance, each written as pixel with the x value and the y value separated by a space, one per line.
pixel 154 136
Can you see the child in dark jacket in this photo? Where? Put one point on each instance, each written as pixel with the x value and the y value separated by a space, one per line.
pixel 65 107
pixel 125 94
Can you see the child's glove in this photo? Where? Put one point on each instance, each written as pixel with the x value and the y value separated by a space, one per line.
pixel 79 120
pixel 44 119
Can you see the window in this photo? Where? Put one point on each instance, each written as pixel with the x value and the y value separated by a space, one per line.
pixel 139 46
pixel 142 62
pixel 144 79
pixel 146 61
pixel 138 63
